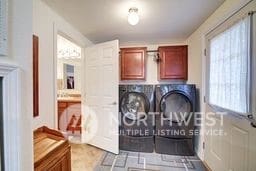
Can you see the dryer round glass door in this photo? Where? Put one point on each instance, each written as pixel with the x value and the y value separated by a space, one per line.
pixel 134 105
pixel 176 107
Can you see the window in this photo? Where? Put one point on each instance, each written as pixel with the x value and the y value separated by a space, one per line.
pixel 229 68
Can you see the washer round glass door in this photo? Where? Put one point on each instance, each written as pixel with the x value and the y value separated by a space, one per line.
pixel 134 105
pixel 176 106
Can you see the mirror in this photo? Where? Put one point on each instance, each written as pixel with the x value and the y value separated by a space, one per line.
pixel 69 74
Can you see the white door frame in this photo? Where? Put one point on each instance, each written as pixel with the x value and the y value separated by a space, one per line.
pixel 11 116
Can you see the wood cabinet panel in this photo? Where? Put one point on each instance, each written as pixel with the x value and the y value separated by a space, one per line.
pixel 62 164
pixel 173 62
pixel 74 103
pixel 69 116
pixel 51 151
pixel 133 63
pixel 62 104
pixel 61 112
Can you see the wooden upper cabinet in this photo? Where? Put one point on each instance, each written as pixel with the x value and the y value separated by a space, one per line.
pixel 173 62
pixel 133 61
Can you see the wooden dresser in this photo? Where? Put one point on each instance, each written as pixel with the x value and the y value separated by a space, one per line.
pixel 51 151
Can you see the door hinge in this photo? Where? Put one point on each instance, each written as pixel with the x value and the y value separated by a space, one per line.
pixel 203 145
pixel 204 52
pixel 204 99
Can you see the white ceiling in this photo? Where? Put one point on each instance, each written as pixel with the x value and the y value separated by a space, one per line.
pixel 161 21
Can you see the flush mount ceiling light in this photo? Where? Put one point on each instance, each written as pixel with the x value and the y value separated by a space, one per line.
pixel 133 17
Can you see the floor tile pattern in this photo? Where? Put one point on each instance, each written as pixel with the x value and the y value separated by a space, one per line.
pixel 135 161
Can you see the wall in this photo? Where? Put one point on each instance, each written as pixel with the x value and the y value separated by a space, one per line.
pixel 151 65
pixel 196 58
pixel 46 25
pixel 20 55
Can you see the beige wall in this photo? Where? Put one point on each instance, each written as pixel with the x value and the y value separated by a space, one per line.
pixel 196 58
pixel 46 24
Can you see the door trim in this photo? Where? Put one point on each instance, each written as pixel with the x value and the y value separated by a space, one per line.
pixel 57 29
pixel 11 116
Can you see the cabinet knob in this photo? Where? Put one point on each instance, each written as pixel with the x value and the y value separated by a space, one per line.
pixel 114 103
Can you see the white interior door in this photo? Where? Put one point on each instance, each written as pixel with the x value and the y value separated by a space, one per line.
pixel 100 104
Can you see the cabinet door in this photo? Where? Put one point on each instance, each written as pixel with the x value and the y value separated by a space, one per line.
pixel 173 62
pixel 133 63
pixel 62 118
pixel 63 164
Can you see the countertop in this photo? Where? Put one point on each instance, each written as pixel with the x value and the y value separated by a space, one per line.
pixel 69 99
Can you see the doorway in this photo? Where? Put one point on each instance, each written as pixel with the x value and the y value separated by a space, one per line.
pixel 86 91
pixel 68 80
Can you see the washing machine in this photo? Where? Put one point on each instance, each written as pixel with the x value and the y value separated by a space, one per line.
pixel 175 107
pixel 136 117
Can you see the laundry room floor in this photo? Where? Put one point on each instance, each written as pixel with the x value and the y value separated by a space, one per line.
pixel 84 157
pixel 89 158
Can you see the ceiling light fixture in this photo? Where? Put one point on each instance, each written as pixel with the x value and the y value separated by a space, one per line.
pixel 133 17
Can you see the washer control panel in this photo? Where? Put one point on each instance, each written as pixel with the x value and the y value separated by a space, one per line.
pixel 137 88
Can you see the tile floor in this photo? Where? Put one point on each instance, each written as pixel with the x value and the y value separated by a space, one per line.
pixel 139 161
pixel 87 158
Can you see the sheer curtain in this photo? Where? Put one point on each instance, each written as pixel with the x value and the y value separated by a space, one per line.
pixel 229 68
